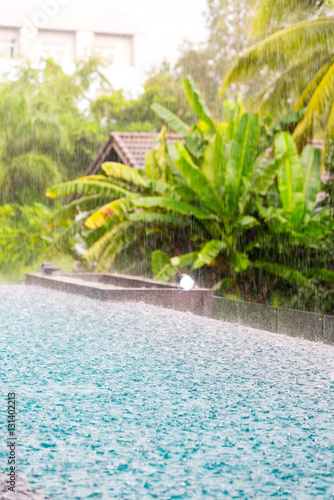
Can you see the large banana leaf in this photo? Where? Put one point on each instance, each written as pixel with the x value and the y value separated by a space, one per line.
pixel 320 225
pixel 171 119
pixel 214 164
pixel 173 205
pixel 105 250
pixel 117 208
pixel 246 222
pixel 240 262
pixel 198 181
pixel 157 218
pixel 321 274
pixel 165 268
pixel 311 166
pixel 197 102
pixel 158 165
pixel 73 229
pixel 240 162
pixel 264 174
pixel 288 273
pixel 128 174
pixel 83 204
pixel 208 253
pixel 159 260
pixel 93 184
pixel 162 188
pixel 290 178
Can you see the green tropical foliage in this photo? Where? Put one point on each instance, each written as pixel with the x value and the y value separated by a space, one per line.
pixel 45 138
pixel 117 111
pixel 44 135
pixel 25 236
pixel 219 201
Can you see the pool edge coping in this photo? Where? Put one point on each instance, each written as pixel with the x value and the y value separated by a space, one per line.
pixel 201 302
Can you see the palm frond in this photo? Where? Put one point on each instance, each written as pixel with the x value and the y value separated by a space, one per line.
pixel 329 130
pixel 280 48
pixel 312 85
pixel 320 100
pixel 273 98
pixel 275 10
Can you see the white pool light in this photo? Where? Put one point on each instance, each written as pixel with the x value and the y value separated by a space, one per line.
pixel 186 282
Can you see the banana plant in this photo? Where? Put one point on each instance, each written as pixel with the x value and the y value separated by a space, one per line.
pixel 223 190
pixel 298 183
pixel 207 131
pixel 227 204
pixel 283 230
pixel 297 224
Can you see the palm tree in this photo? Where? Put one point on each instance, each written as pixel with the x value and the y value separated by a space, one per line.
pixel 301 60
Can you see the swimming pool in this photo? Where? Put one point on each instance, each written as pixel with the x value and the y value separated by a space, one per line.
pixel 131 401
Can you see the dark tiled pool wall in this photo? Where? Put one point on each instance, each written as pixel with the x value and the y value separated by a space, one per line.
pixel 310 326
pixel 328 329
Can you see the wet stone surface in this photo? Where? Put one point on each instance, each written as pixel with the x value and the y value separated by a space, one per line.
pixel 23 490
pixel 132 401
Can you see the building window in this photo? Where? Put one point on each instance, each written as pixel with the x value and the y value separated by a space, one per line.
pixel 8 48
pixel 108 54
pixel 55 50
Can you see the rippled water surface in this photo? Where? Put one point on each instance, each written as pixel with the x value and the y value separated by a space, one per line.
pixel 130 401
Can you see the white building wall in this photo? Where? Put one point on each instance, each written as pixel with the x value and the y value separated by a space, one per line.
pixel 67 47
pixel 9 43
pixel 138 51
pixel 117 49
pixel 84 45
pixel 61 46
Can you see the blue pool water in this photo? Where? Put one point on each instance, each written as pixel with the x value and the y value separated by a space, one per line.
pixel 129 401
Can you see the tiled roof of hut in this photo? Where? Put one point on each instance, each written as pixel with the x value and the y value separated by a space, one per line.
pixel 128 148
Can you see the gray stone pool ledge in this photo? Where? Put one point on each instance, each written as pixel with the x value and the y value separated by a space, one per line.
pixel 120 288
